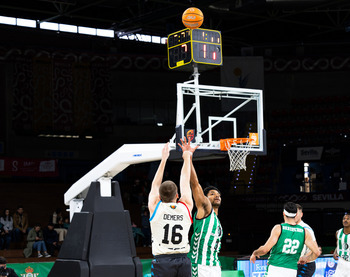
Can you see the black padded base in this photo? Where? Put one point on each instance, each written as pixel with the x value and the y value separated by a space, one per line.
pixel 99 241
pixel 70 268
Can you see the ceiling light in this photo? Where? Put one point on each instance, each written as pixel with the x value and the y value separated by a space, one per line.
pixel 7 20
pixel 26 23
pixel 68 28
pixel 49 26
pixel 87 31
pixel 105 33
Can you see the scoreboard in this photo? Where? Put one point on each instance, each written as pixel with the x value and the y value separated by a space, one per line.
pixel 200 46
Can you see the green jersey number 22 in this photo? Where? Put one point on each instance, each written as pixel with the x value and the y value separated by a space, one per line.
pixel 290 246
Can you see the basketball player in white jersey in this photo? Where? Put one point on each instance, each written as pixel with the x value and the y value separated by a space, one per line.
pixel 342 252
pixel 308 269
pixel 171 219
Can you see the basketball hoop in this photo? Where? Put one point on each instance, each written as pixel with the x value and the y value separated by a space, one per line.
pixel 238 153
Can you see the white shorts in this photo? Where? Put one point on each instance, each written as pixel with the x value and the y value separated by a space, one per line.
pixel 199 270
pixel 276 271
pixel 343 268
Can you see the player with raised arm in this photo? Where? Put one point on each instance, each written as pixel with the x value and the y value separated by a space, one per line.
pixel 286 243
pixel 171 219
pixel 207 230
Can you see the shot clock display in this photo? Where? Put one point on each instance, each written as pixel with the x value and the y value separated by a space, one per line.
pixel 200 46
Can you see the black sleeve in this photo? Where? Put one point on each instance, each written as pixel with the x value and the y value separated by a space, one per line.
pixel 12 273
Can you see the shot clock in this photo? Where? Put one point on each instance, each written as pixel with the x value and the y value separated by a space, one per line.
pixel 200 46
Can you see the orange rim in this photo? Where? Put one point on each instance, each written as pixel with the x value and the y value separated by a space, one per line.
pixel 230 141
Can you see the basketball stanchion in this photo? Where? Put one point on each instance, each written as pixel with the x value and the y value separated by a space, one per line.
pixel 237 149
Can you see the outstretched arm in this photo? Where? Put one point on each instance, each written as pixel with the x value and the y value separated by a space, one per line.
pixel 185 189
pixel 202 202
pixel 264 249
pixel 153 197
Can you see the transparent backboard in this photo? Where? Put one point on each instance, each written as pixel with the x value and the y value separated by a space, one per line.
pixel 210 113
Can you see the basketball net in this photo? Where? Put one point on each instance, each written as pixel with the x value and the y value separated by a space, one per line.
pixel 239 153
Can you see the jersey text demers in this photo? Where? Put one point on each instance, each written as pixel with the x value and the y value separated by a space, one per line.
pixel 173 217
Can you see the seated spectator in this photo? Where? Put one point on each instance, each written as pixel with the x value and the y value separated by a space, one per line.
pixel 66 223
pixel 136 232
pixel 7 225
pixel 146 228
pixel 20 224
pixel 2 236
pixel 51 239
pixel 57 220
pixel 4 270
pixel 35 240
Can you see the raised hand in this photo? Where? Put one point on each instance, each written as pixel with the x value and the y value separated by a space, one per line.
pixel 186 145
pixel 165 151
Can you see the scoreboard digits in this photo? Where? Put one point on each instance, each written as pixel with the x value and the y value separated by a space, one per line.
pixel 194 45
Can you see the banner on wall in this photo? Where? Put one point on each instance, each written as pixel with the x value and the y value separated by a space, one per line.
pixel 295 197
pixel 32 269
pixel 28 167
pixel 309 153
pixel 60 95
pixel 325 266
pixel 43 269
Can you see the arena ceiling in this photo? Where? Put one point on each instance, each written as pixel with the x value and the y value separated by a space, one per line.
pixel 243 23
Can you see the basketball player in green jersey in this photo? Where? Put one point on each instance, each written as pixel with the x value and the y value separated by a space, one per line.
pixel 286 243
pixel 342 252
pixel 207 230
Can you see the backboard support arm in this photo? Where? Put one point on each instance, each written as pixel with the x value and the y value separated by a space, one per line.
pixel 126 155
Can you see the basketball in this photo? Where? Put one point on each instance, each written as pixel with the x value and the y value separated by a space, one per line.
pixel 192 18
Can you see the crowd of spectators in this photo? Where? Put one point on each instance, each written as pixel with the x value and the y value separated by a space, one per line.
pixel 45 237
pixel 45 241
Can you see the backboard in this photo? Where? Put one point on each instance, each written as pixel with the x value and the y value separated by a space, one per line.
pixel 211 113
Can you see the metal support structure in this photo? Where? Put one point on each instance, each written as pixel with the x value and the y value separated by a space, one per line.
pixel 104 172
pixel 197 104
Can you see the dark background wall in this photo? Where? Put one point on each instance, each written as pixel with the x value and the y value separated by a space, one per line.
pixel 117 92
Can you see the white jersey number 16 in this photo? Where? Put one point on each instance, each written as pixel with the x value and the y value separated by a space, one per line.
pixel 176 238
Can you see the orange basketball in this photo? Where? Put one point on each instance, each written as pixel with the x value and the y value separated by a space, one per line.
pixel 192 18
